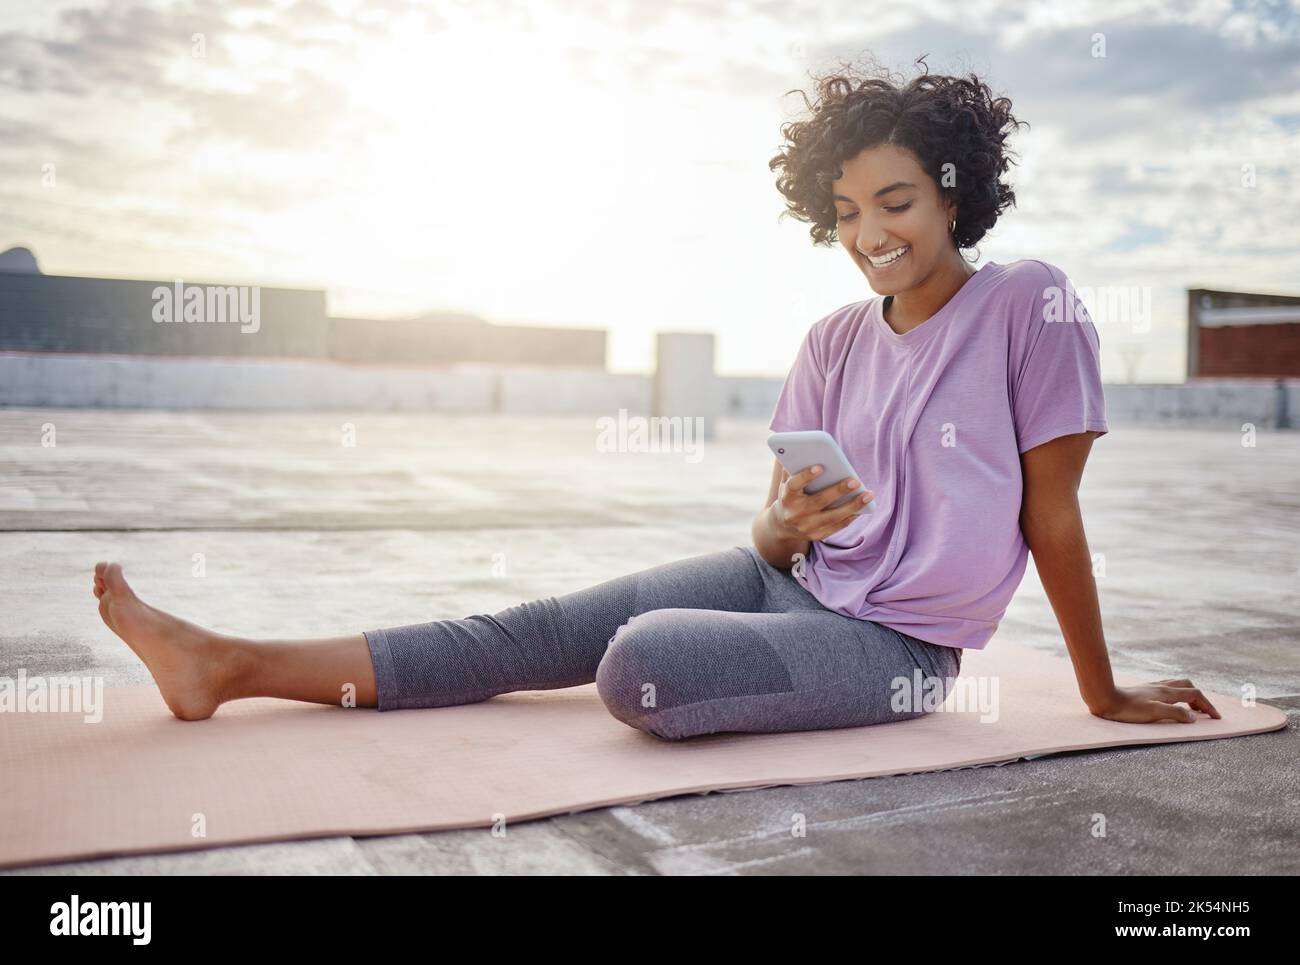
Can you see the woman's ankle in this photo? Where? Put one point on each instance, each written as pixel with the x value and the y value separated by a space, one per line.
pixel 237 662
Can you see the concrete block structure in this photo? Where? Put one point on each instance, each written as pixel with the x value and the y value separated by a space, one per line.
pixel 685 385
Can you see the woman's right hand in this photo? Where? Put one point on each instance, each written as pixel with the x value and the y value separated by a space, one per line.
pixel 797 515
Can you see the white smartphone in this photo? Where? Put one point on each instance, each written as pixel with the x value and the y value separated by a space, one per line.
pixel 796 451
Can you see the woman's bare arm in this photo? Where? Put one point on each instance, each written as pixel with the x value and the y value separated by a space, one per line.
pixel 1052 524
pixel 1053 527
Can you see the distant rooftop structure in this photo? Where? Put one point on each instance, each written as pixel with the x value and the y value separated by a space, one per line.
pixel 19 260
pixel 110 316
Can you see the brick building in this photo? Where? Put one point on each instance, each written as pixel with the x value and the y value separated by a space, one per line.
pixel 1242 334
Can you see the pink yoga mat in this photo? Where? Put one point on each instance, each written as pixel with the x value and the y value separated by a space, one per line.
pixel 140 780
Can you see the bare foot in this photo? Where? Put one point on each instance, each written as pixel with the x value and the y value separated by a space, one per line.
pixel 193 667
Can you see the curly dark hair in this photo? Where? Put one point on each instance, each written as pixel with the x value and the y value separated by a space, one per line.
pixel 940 119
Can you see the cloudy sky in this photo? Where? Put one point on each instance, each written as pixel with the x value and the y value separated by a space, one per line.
pixel 604 164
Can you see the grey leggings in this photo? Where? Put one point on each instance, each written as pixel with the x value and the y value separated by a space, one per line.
pixel 719 642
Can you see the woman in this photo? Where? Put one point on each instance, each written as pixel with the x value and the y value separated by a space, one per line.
pixel 970 397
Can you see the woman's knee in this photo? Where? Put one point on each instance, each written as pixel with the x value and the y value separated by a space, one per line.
pixel 677 673
pixel 635 663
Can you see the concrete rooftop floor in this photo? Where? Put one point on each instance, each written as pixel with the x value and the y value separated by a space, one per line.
pixel 306 536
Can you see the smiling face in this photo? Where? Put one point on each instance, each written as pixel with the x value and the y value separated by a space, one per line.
pixel 886 204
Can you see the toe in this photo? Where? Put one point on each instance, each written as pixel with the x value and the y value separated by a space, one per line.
pixel 115 581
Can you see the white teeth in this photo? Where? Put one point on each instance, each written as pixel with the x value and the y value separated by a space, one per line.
pixel 889 257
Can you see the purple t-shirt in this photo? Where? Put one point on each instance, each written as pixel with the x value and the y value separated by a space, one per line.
pixel 934 421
